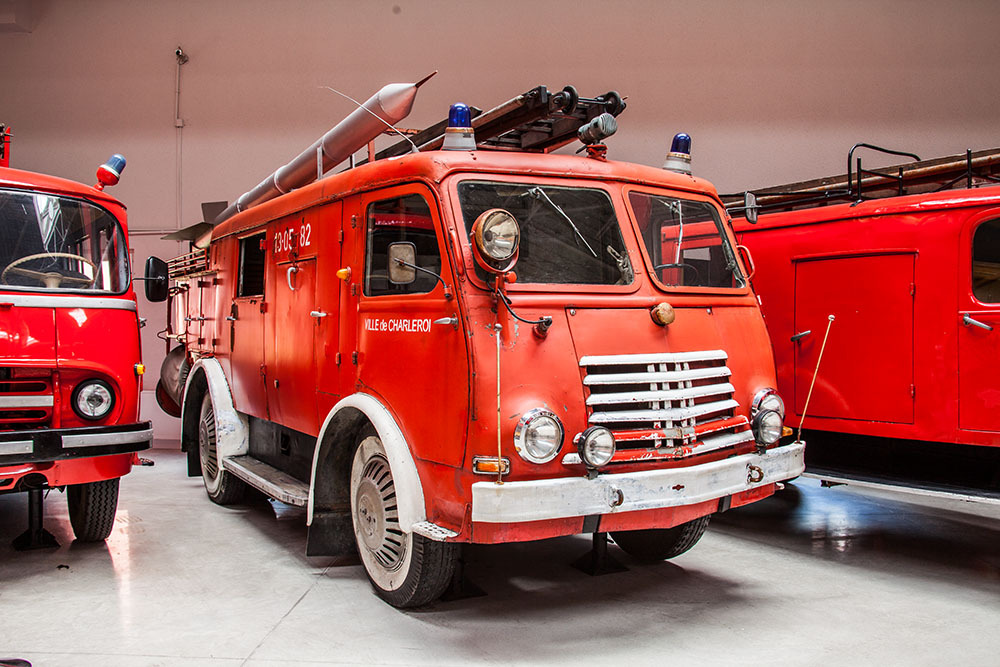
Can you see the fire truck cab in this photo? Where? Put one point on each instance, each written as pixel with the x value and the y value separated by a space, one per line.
pixel 471 344
pixel 69 349
pixel 907 260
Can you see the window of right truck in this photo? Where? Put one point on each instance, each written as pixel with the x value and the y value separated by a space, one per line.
pixel 685 242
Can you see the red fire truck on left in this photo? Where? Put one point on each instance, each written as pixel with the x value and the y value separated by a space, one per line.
pixel 70 371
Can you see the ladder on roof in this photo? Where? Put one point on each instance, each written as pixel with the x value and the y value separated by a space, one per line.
pixel 538 120
pixel 918 177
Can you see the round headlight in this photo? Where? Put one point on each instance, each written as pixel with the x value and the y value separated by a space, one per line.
pixel 596 446
pixel 767 399
pixel 767 426
pixel 496 234
pixel 538 436
pixel 93 399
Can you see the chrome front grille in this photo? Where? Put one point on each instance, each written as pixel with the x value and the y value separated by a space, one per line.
pixel 665 405
pixel 26 399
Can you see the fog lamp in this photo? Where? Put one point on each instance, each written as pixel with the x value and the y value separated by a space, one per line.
pixel 767 427
pixel 596 446
pixel 767 399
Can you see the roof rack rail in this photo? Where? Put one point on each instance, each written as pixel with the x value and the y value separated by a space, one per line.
pixel 535 121
pixel 921 176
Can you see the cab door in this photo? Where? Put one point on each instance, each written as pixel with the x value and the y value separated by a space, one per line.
pixel 410 341
pixel 979 325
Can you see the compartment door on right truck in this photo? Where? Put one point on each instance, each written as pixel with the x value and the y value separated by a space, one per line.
pixel 867 368
pixel 979 331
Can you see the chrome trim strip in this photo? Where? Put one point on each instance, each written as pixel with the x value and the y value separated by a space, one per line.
pixel 16 447
pixel 667 395
pixel 656 358
pixel 667 376
pixel 8 402
pixel 68 301
pixel 106 439
pixel 577 496
pixel 669 414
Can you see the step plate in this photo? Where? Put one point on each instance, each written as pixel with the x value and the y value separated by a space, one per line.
pixel 264 477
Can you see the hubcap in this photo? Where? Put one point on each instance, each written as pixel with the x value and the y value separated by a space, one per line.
pixel 207 445
pixel 377 515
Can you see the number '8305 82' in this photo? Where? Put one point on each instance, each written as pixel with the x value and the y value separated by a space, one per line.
pixel 288 239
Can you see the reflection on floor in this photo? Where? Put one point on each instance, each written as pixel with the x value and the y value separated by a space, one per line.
pixel 811 576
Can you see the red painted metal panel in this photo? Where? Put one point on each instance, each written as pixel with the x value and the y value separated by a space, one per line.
pixel 867 368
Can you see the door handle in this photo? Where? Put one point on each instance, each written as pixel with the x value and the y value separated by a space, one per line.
pixel 453 321
pixel 802 334
pixel 317 314
pixel 968 321
pixel 291 270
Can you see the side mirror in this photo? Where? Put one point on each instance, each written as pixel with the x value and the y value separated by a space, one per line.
pixel 750 208
pixel 402 273
pixel 156 279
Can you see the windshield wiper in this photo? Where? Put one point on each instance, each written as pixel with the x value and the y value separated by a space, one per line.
pixel 538 193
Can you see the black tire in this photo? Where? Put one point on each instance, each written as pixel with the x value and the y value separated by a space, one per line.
pixel 661 543
pixel 92 508
pixel 405 569
pixel 221 486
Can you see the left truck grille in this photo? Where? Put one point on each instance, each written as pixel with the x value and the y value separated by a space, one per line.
pixel 26 398
pixel 664 405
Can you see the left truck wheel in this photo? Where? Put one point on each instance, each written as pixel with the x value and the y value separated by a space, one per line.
pixel 221 486
pixel 406 569
pixel 92 509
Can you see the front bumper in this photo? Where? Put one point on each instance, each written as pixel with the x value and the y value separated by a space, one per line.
pixel 565 497
pixel 72 443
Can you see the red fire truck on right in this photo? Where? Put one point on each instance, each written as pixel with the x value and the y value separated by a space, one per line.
pixel 907 260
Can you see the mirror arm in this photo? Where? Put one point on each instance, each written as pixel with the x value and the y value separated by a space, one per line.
pixel 447 292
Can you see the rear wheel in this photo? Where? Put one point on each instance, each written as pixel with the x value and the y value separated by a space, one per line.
pixel 222 486
pixel 661 543
pixel 406 570
pixel 92 508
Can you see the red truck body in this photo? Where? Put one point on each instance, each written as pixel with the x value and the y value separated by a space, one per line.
pixel 907 391
pixel 309 369
pixel 69 349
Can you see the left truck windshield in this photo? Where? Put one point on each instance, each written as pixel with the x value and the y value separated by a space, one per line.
pixel 48 242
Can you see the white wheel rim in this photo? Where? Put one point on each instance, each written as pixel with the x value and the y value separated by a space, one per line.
pixel 384 547
pixel 208 447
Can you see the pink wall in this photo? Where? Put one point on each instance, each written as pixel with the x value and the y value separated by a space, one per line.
pixel 770 91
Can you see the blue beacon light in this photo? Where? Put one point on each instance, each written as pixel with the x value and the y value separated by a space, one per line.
pixel 679 157
pixel 110 172
pixel 458 136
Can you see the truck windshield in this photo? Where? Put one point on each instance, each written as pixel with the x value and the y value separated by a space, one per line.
pixel 568 235
pixel 48 242
pixel 685 242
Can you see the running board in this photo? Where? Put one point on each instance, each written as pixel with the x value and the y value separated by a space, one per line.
pixel 832 478
pixel 268 479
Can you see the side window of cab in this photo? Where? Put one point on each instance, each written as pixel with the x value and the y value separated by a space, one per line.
pixel 986 262
pixel 401 255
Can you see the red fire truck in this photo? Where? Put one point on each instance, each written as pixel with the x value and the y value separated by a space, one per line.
pixel 907 260
pixel 69 349
pixel 469 338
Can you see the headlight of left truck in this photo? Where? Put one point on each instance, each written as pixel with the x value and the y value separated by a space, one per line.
pixel 93 399
pixel 767 416
pixel 538 436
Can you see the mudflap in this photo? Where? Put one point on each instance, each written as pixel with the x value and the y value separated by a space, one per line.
pixel 331 534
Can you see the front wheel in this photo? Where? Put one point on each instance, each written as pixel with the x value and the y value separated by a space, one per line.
pixel 661 543
pixel 406 570
pixel 92 508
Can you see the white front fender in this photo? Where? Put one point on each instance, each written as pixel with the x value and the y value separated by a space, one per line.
pixel 409 491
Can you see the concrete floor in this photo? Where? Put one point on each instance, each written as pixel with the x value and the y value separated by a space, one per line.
pixel 812 576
